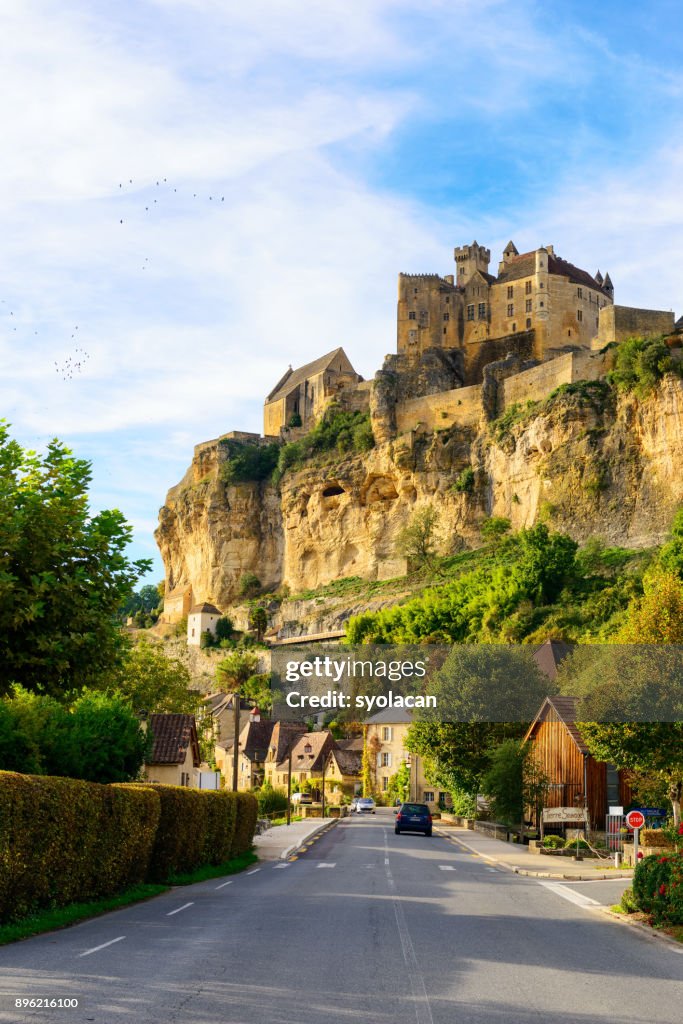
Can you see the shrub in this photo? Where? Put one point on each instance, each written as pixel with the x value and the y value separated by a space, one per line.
pixel 270 800
pixel 464 482
pixel 224 628
pixel 250 585
pixel 658 887
pixel 627 902
pixel 572 844
pixel 640 363
pixel 248 462
pixel 221 813
pixel 64 839
pixel 656 837
pixel 181 836
pixel 247 814
pixel 553 842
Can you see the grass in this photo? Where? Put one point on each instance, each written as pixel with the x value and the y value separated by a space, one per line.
pixel 61 917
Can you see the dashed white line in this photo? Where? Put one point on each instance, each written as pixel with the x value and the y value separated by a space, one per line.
pixel 568 894
pixel 223 884
pixel 178 909
pixel 275 866
pixel 446 867
pixel 253 872
pixel 325 864
pixel 104 945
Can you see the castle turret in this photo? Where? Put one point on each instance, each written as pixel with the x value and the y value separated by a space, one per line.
pixel 607 286
pixel 509 252
pixel 599 278
pixel 469 259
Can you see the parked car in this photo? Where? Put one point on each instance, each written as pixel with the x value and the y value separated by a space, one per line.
pixel 353 804
pixel 413 818
pixel 365 805
pixel 302 798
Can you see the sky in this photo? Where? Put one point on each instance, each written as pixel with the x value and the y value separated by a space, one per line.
pixel 195 194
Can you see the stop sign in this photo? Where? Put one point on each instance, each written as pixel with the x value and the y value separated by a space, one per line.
pixel 635 819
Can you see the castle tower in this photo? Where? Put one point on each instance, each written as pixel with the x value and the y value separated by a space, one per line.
pixel 469 259
pixel 509 252
pixel 608 286
pixel 541 301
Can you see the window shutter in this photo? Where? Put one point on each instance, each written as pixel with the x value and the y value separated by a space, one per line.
pixel 389 760
pixel 379 760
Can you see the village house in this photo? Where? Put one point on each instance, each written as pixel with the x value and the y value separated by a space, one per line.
pixel 385 738
pixel 202 618
pixel 576 779
pixel 254 741
pixel 343 774
pixel 175 752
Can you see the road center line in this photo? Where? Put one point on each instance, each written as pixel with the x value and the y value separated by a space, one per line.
pixel 446 867
pixel 275 866
pixel 423 1011
pixel 253 872
pixel 178 909
pixel 104 945
pixel 325 864
pixel 223 884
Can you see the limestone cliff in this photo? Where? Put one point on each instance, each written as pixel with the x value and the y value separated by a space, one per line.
pixel 590 461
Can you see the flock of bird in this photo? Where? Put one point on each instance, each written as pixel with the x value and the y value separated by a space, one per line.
pixel 75 363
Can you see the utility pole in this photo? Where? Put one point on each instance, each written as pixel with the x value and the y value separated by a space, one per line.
pixel 322 812
pixel 289 783
pixel 236 736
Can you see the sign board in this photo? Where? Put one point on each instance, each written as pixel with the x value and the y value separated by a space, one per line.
pixel 635 819
pixel 559 814
pixel 652 812
pixel 614 811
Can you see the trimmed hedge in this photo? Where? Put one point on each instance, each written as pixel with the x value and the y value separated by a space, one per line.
pixel 247 815
pixel 64 840
pixel 658 887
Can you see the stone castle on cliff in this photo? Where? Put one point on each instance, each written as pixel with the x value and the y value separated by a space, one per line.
pixel 470 344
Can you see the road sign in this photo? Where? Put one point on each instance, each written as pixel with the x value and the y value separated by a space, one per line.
pixel 635 819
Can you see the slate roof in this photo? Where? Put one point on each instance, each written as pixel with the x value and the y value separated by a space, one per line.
pixel 390 716
pixel 255 740
pixel 307 760
pixel 350 761
pixel 525 266
pixel 565 709
pixel 549 655
pixel 173 734
pixel 204 607
pixel 282 735
pixel 355 743
pixel 293 378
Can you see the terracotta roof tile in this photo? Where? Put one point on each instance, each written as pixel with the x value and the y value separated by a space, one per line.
pixel 173 734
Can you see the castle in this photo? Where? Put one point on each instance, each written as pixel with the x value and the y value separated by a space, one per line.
pixel 471 343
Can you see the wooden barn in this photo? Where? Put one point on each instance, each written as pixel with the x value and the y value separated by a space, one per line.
pixel 576 778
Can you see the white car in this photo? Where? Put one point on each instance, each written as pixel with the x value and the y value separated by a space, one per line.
pixel 365 805
pixel 302 798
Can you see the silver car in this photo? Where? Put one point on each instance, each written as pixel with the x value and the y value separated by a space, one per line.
pixel 365 805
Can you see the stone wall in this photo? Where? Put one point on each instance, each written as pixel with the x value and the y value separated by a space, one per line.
pixel 460 406
pixel 480 353
pixel 620 322
pixel 538 382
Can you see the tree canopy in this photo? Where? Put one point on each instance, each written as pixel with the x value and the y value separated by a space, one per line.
pixel 64 573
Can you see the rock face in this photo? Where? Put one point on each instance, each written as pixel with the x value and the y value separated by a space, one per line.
pixel 588 461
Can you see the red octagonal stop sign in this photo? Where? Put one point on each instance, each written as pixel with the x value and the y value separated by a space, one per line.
pixel 635 819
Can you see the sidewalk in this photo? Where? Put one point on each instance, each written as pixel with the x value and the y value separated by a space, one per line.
pixel 522 862
pixel 278 842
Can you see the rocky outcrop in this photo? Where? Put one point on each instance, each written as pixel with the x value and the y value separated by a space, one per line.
pixel 588 461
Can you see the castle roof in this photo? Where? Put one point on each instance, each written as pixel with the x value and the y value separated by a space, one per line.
pixel 293 378
pixel 525 266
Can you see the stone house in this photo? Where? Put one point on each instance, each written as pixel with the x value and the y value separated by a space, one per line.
pixel 343 774
pixel 201 617
pixel 254 742
pixel 385 739
pixel 284 737
pixel 175 751
pixel 302 395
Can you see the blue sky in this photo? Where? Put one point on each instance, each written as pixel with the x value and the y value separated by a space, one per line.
pixel 306 152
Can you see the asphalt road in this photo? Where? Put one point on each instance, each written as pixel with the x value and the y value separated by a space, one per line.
pixel 365 926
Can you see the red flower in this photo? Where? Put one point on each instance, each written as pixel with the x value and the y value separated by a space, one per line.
pixel 662 889
pixel 680 829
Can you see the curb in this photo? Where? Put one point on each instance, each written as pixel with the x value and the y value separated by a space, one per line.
pixel 644 929
pixel 530 873
pixel 309 835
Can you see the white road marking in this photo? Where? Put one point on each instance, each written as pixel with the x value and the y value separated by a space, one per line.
pixel 568 894
pixel 254 871
pixel 104 945
pixel 223 884
pixel 178 909
pixel 492 869
pixel 280 866
pixel 324 864
pixel 423 1011
pixel 446 867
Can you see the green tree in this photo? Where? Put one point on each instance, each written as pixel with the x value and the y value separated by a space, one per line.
pixel 63 573
pixel 418 540
pixel 105 740
pixel 494 529
pixel 234 671
pixel 250 585
pixel 153 683
pixel 258 620
pixel 224 628
pixel 399 784
pixel 513 783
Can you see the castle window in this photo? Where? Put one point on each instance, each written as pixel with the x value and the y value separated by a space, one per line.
pixel 540 284
pixel 527 305
pixel 470 311
pixel 528 322
pixel 482 310
pixel 412 314
pixel 579 292
pixel 569 333
pixel 414 291
pixel 511 291
pixel 446 316
pixel 511 309
pixel 596 321
pixel 412 337
pixel 579 315
pixel 444 330
pixel 514 327
pixel 527 288
pixel 424 318
pixel 541 304
pixel 448 299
